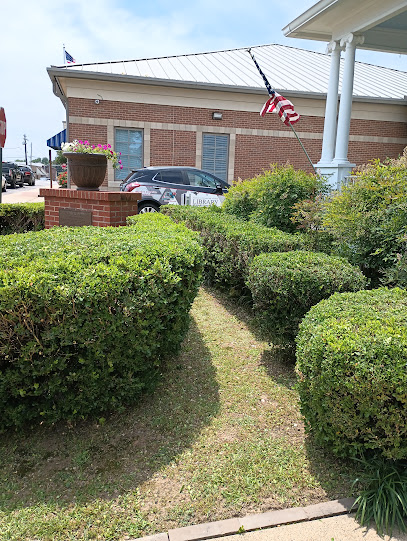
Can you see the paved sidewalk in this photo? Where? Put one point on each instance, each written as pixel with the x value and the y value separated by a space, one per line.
pixel 340 528
pixel 329 521
pixel 27 194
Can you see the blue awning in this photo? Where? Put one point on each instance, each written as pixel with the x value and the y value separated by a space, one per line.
pixel 56 141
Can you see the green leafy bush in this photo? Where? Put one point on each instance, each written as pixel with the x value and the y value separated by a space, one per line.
pixel 87 314
pixel 21 217
pixel 368 218
pixel 352 377
pixel 284 286
pixel 269 198
pixel 308 216
pixel 230 244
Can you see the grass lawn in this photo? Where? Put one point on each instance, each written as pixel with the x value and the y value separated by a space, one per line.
pixel 222 436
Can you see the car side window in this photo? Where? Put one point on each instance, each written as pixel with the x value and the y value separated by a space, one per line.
pixel 172 176
pixel 202 179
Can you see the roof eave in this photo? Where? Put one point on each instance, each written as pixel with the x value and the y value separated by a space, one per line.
pixel 55 72
pixel 316 9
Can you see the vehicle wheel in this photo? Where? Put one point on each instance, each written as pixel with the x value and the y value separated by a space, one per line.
pixel 13 184
pixel 4 189
pixel 148 206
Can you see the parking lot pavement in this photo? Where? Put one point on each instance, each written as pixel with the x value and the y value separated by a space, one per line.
pixel 27 194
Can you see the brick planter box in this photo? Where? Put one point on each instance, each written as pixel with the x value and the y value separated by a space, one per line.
pixel 65 207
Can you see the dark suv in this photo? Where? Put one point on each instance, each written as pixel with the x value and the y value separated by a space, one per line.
pixel 28 175
pixel 12 174
pixel 174 186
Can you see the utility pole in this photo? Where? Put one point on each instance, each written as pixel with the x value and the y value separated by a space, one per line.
pixel 25 140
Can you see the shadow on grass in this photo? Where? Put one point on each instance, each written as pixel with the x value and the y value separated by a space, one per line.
pixel 333 475
pixel 240 307
pixel 68 464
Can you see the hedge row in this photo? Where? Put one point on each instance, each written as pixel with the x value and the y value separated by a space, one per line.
pixel 231 244
pixel 87 315
pixel 21 217
pixel 351 366
pixel 284 286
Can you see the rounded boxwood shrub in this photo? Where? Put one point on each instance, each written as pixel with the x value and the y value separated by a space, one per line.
pixel 285 285
pixel 87 314
pixel 352 376
pixel 230 244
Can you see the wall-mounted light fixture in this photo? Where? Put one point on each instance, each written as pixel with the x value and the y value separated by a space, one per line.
pixel 217 116
pixel 98 101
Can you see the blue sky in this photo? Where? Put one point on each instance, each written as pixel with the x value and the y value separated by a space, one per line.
pixel 106 30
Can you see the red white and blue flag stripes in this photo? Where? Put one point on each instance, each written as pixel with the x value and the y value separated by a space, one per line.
pixel 283 107
pixel 276 103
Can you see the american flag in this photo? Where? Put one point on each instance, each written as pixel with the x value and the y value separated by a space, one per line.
pixel 283 107
pixel 70 59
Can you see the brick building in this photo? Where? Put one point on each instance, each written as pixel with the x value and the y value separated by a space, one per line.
pixel 203 110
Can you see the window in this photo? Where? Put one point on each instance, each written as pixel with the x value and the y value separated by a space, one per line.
pixel 202 179
pixel 172 176
pixel 130 144
pixel 215 154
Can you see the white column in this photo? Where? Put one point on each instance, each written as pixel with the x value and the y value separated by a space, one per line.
pixel 331 108
pixel 345 108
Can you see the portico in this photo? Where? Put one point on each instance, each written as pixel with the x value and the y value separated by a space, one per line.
pixel 371 24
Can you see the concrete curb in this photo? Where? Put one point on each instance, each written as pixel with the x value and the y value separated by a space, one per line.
pixel 249 523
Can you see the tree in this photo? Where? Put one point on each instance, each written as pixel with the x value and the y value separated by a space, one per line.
pixel 45 161
pixel 60 158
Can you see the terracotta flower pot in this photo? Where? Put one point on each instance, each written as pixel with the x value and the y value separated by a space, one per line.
pixel 87 170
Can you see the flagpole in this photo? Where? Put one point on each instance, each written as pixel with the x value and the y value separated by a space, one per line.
pixel 63 46
pixel 271 93
pixel 303 148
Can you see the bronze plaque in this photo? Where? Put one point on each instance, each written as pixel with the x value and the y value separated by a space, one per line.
pixel 75 217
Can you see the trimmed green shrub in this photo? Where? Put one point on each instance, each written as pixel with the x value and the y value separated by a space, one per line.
pixel 87 315
pixel 284 286
pixel 269 198
pixel 21 217
pixel 368 218
pixel 352 377
pixel 230 244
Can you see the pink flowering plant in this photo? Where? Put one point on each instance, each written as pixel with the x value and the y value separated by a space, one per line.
pixel 62 179
pixel 86 148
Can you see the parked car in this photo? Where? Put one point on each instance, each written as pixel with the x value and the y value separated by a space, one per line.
pixel 28 175
pixel 174 186
pixel 3 183
pixel 13 174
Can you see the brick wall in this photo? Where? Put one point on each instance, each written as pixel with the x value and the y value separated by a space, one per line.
pixel 264 151
pixel 172 147
pixel 253 153
pixel 107 208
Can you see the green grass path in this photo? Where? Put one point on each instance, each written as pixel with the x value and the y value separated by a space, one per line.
pixel 222 436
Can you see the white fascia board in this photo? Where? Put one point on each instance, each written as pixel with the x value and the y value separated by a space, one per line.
pixel 329 19
pixel 295 26
pixel 366 16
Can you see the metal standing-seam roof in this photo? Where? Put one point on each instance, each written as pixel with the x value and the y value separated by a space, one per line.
pixel 287 68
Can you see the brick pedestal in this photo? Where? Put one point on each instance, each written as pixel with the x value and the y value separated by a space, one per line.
pixel 80 207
